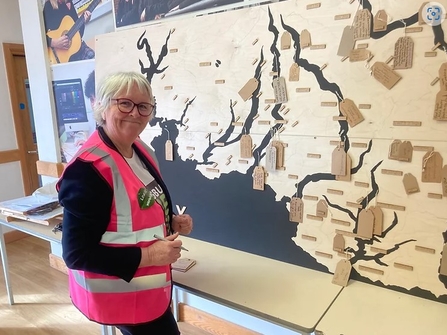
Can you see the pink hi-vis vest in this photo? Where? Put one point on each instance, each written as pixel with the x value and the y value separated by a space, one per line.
pixel 109 299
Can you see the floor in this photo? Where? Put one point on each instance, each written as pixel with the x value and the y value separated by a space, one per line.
pixel 42 305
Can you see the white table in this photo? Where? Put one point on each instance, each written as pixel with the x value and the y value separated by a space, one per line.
pixel 288 295
pixel 370 310
pixel 40 231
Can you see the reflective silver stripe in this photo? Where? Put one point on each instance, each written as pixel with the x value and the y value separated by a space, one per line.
pixel 149 150
pixel 132 237
pixel 102 285
pixel 121 198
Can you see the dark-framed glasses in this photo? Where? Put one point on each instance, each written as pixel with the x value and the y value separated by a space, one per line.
pixel 126 106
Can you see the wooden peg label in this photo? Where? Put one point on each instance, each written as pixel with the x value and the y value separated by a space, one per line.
pixel 270 158
pixel 443 76
pixel 169 151
pixel 347 42
pixel 338 243
pixel 280 90
pixel 362 25
pixel 279 153
pixel 346 177
pixel 443 269
pixel 322 208
pixel 296 210
pixel 410 184
pixel 294 72
pixel 247 91
pixel 403 53
pixel 358 55
pixel 342 273
pixel 444 181
pixel 338 166
pixel 385 75
pixel 440 113
pixel 432 167
pixel 246 144
pixel 365 224
pixel 286 40
pixel 378 220
pixel 305 40
pixel 349 109
pixel 258 178
pixel 380 21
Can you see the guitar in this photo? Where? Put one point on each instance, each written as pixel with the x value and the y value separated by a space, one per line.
pixel 71 29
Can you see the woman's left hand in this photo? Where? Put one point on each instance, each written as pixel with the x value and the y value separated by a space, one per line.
pixel 182 224
pixel 87 16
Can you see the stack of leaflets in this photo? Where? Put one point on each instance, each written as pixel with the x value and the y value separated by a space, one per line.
pixel 34 208
pixel 183 264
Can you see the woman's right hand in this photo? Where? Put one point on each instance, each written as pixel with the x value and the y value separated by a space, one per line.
pixel 161 252
pixel 60 42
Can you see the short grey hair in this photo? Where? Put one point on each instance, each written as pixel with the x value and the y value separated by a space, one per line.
pixel 115 84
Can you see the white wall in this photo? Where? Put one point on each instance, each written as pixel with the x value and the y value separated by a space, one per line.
pixel 10 173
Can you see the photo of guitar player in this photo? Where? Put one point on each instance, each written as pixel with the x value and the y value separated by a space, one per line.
pixel 64 31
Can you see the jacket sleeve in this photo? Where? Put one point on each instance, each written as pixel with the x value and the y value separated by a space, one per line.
pixel 87 201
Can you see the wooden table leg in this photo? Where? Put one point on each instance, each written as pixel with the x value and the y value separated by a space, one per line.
pixel 5 267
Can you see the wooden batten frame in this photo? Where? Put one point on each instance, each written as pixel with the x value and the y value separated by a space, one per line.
pixel 50 169
pixel 210 323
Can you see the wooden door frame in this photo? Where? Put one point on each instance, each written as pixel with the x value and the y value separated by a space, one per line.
pixel 9 51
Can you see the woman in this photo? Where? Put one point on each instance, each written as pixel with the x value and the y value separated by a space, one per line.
pixel 115 201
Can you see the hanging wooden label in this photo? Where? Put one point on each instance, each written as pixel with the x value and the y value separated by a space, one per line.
pixel 443 268
pixel 294 72
pixel 296 210
pixel 305 40
pixel 403 53
pixel 385 75
pixel 338 166
pixel 286 40
pixel 246 144
pixel 270 158
pixel 169 151
pixel 380 21
pixel 342 273
pixel 410 184
pixel 440 113
pixel 378 220
pixel 401 151
pixel 338 243
pixel 358 55
pixel 247 91
pixel 279 153
pixel 258 178
pixel 279 90
pixel 322 208
pixel 346 177
pixel 349 109
pixel 432 167
pixel 362 24
pixel 347 42
pixel 444 181
pixel 443 76
pixel 365 223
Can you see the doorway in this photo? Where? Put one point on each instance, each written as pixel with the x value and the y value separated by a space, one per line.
pixel 21 107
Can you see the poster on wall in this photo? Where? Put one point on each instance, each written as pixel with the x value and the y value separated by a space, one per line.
pixel 74 96
pixel 130 12
pixel 66 23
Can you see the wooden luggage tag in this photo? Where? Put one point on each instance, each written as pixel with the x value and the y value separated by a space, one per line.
pixel 305 39
pixel 440 113
pixel 410 184
pixel 432 167
pixel 347 176
pixel 347 42
pixel 246 146
pixel 442 75
pixel 322 208
pixel 338 243
pixel 286 40
pixel 296 213
pixel 258 178
pixel 279 90
pixel 338 166
pixel 342 273
pixel 380 21
pixel 403 53
pixel 444 181
pixel 349 109
pixel 246 92
pixel 378 219
pixel 365 223
pixel 362 24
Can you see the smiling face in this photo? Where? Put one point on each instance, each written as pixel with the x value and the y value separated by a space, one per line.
pixel 124 128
